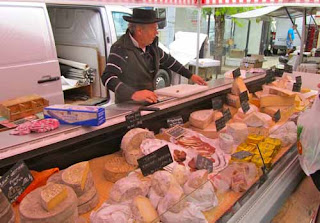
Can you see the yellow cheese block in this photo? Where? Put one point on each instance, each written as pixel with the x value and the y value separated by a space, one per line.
pixel 144 210
pixel 254 139
pixel 275 100
pixel 285 111
pixel 276 142
pixel 305 90
pixel 52 195
pixel 238 86
pixel 256 159
pixel 76 176
pixel 281 91
pixel 246 147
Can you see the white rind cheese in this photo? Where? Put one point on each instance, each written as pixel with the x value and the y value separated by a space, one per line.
pixel 202 118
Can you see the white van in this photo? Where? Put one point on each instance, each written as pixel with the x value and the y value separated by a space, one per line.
pixel 34 35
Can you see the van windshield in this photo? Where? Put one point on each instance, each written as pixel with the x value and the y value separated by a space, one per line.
pixel 120 24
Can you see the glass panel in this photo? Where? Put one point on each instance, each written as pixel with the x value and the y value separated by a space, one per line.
pixel 120 24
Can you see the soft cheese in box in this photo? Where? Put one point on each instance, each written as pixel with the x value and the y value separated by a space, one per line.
pixel 76 115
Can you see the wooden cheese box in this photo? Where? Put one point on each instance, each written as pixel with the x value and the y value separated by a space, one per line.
pixel 22 107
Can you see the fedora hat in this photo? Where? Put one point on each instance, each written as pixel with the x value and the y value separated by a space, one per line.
pixel 143 16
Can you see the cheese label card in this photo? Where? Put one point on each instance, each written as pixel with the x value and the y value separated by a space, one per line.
pixel 236 73
pixel 241 154
pixel 245 106
pixel 204 163
pixel 173 121
pixel 298 80
pixel 244 96
pixel 220 124
pixel 277 116
pixel 270 76
pixel 226 115
pixel 155 160
pixel 15 181
pixel 296 87
pixel 134 120
pixel 217 103
pixel 176 131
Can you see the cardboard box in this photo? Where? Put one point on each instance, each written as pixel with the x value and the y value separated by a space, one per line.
pixel 235 53
pixel 250 62
pixel 76 115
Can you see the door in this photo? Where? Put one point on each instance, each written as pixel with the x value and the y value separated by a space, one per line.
pixel 28 53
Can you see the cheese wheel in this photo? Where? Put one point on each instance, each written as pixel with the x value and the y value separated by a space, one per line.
pixel 87 196
pixel 116 168
pixel 143 211
pixel 52 195
pixel 7 215
pixel 89 205
pixel 202 118
pixel 76 176
pixel 31 209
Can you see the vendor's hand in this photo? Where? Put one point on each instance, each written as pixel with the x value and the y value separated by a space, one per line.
pixel 198 80
pixel 145 95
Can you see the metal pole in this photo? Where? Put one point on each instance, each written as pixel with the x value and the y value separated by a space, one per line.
pixel 198 38
pixel 300 57
pixel 248 35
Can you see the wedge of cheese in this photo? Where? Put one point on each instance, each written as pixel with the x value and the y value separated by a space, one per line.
pixel 202 118
pixel 254 120
pixel 76 175
pixel 143 210
pixel 52 195
pixel 238 86
pixel 281 92
pixel 275 100
pixel 284 110
pixel 233 100
pixel 239 132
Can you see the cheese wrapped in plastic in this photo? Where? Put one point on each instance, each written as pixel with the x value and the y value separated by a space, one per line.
pixel 162 181
pixel 110 213
pixel 173 200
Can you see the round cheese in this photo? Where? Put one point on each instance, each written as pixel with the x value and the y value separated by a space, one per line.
pixel 116 168
pixel 7 214
pixel 89 205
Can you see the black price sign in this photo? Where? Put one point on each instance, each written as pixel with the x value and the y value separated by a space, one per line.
pixel 176 132
pixel 220 124
pixel 296 87
pixel 244 96
pixel 226 115
pixel 236 73
pixel 15 181
pixel 177 120
pixel 245 106
pixel 134 120
pixel 155 160
pixel 298 80
pixel 241 154
pixel 217 103
pixel 270 76
pixel 204 163
pixel 277 116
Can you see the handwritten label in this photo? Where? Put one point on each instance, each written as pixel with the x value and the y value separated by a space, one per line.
pixel 217 103
pixel 173 121
pixel 226 115
pixel 204 163
pixel 277 116
pixel 176 132
pixel 220 124
pixel 15 181
pixel 298 80
pixel 244 96
pixel 245 106
pixel 155 160
pixel 270 76
pixel 236 73
pixel 134 120
pixel 296 87
pixel 241 154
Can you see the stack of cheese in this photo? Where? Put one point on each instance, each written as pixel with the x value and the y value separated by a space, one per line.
pixel 238 86
pixel 51 203
pixel 6 211
pixel 79 178
pixel 203 121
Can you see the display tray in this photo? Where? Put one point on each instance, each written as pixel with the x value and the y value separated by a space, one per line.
pixel 181 90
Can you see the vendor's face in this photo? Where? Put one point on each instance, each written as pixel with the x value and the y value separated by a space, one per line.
pixel 149 33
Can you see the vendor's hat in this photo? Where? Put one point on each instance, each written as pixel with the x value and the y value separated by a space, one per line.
pixel 143 16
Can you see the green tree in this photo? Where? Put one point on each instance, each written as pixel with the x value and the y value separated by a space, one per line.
pixel 219 26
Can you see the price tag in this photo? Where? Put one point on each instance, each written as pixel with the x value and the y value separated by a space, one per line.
pixel 298 80
pixel 204 163
pixel 236 73
pixel 296 87
pixel 226 115
pixel 241 154
pixel 270 76
pixel 173 121
pixel 277 116
pixel 244 96
pixel 133 120
pixel 217 103
pixel 155 160
pixel 176 132
pixel 245 106
pixel 220 124
pixel 15 181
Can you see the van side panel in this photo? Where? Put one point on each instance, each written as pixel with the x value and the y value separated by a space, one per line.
pixel 27 52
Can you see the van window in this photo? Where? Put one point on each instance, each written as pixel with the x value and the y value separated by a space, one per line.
pixel 120 24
